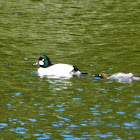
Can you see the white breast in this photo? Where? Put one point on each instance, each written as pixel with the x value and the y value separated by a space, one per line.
pixel 58 70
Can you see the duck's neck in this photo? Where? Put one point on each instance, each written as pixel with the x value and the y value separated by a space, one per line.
pixel 47 64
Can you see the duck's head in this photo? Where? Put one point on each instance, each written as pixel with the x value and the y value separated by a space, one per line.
pixel 43 61
pixel 102 75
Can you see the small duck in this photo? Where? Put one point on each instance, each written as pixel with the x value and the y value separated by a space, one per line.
pixel 59 70
pixel 121 77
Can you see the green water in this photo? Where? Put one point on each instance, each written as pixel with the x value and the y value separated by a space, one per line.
pixel 96 36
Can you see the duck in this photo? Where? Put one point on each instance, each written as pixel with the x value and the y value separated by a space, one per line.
pixel 59 70
pixel 120 76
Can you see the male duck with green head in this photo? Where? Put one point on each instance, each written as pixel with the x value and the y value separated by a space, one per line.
pixel 56 70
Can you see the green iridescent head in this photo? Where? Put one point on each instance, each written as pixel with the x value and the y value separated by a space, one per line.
pixel 43 61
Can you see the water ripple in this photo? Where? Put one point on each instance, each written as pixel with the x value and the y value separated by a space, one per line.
pixel 32 120
pixel 19 130
pixel 2 125
pixel 107 135
pixel 44 136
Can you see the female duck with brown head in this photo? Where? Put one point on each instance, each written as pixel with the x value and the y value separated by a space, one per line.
pixel 121 77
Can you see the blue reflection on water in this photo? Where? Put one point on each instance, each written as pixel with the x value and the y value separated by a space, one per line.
pixel 25 58
pixel 86 134
pixel 135 102
pixel 30 82
pixel 61 105
pixel 110 69
pixel 50 106
pixel 34 72
pixel 74 126
pixel 79 89
pixel 15 121
pixel 71 137
pixel 19 130
pixel 94 123
pixel 130 125
pixel 94 111
pixel 77 99
pixel 2 125
pixel 21 102
pixel 120 112
pixel 115 100
pixel 83 124
pixel 9 106
pixel 136 96
pixel 107 111
pixel 118 88
pixel 32 120
pixel 137 114
pixel 63 118
pixel 109 134
pixel 110 81
pixel 97 123
pixel 16 14
pixel 60 110
pixel 22 123
pixel 43 136
pixel 51 82
pixel 37 104
pixel 97 105
pixel 58 124
pixel 18 94
pixel 102 89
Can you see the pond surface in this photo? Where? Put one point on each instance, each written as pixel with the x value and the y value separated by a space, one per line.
pixel 96 36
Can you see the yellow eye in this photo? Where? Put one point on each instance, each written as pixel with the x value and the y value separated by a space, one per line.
pixel 43 60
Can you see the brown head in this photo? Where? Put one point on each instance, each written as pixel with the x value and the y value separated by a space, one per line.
pixel 102 75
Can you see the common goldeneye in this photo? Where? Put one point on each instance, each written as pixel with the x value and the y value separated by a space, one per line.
pixel 121 77
pixel 59 70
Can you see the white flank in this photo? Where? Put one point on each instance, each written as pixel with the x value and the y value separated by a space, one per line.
pixel 122 77
pixel 58 70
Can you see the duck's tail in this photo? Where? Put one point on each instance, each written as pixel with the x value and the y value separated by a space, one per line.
pixel 136 77
pixel 76 71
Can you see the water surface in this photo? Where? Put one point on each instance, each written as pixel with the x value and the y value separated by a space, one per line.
pixel 96 36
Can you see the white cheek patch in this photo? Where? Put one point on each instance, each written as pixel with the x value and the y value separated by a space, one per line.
pixel 41 62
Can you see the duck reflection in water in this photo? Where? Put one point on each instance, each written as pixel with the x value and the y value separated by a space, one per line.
pixel 59 84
